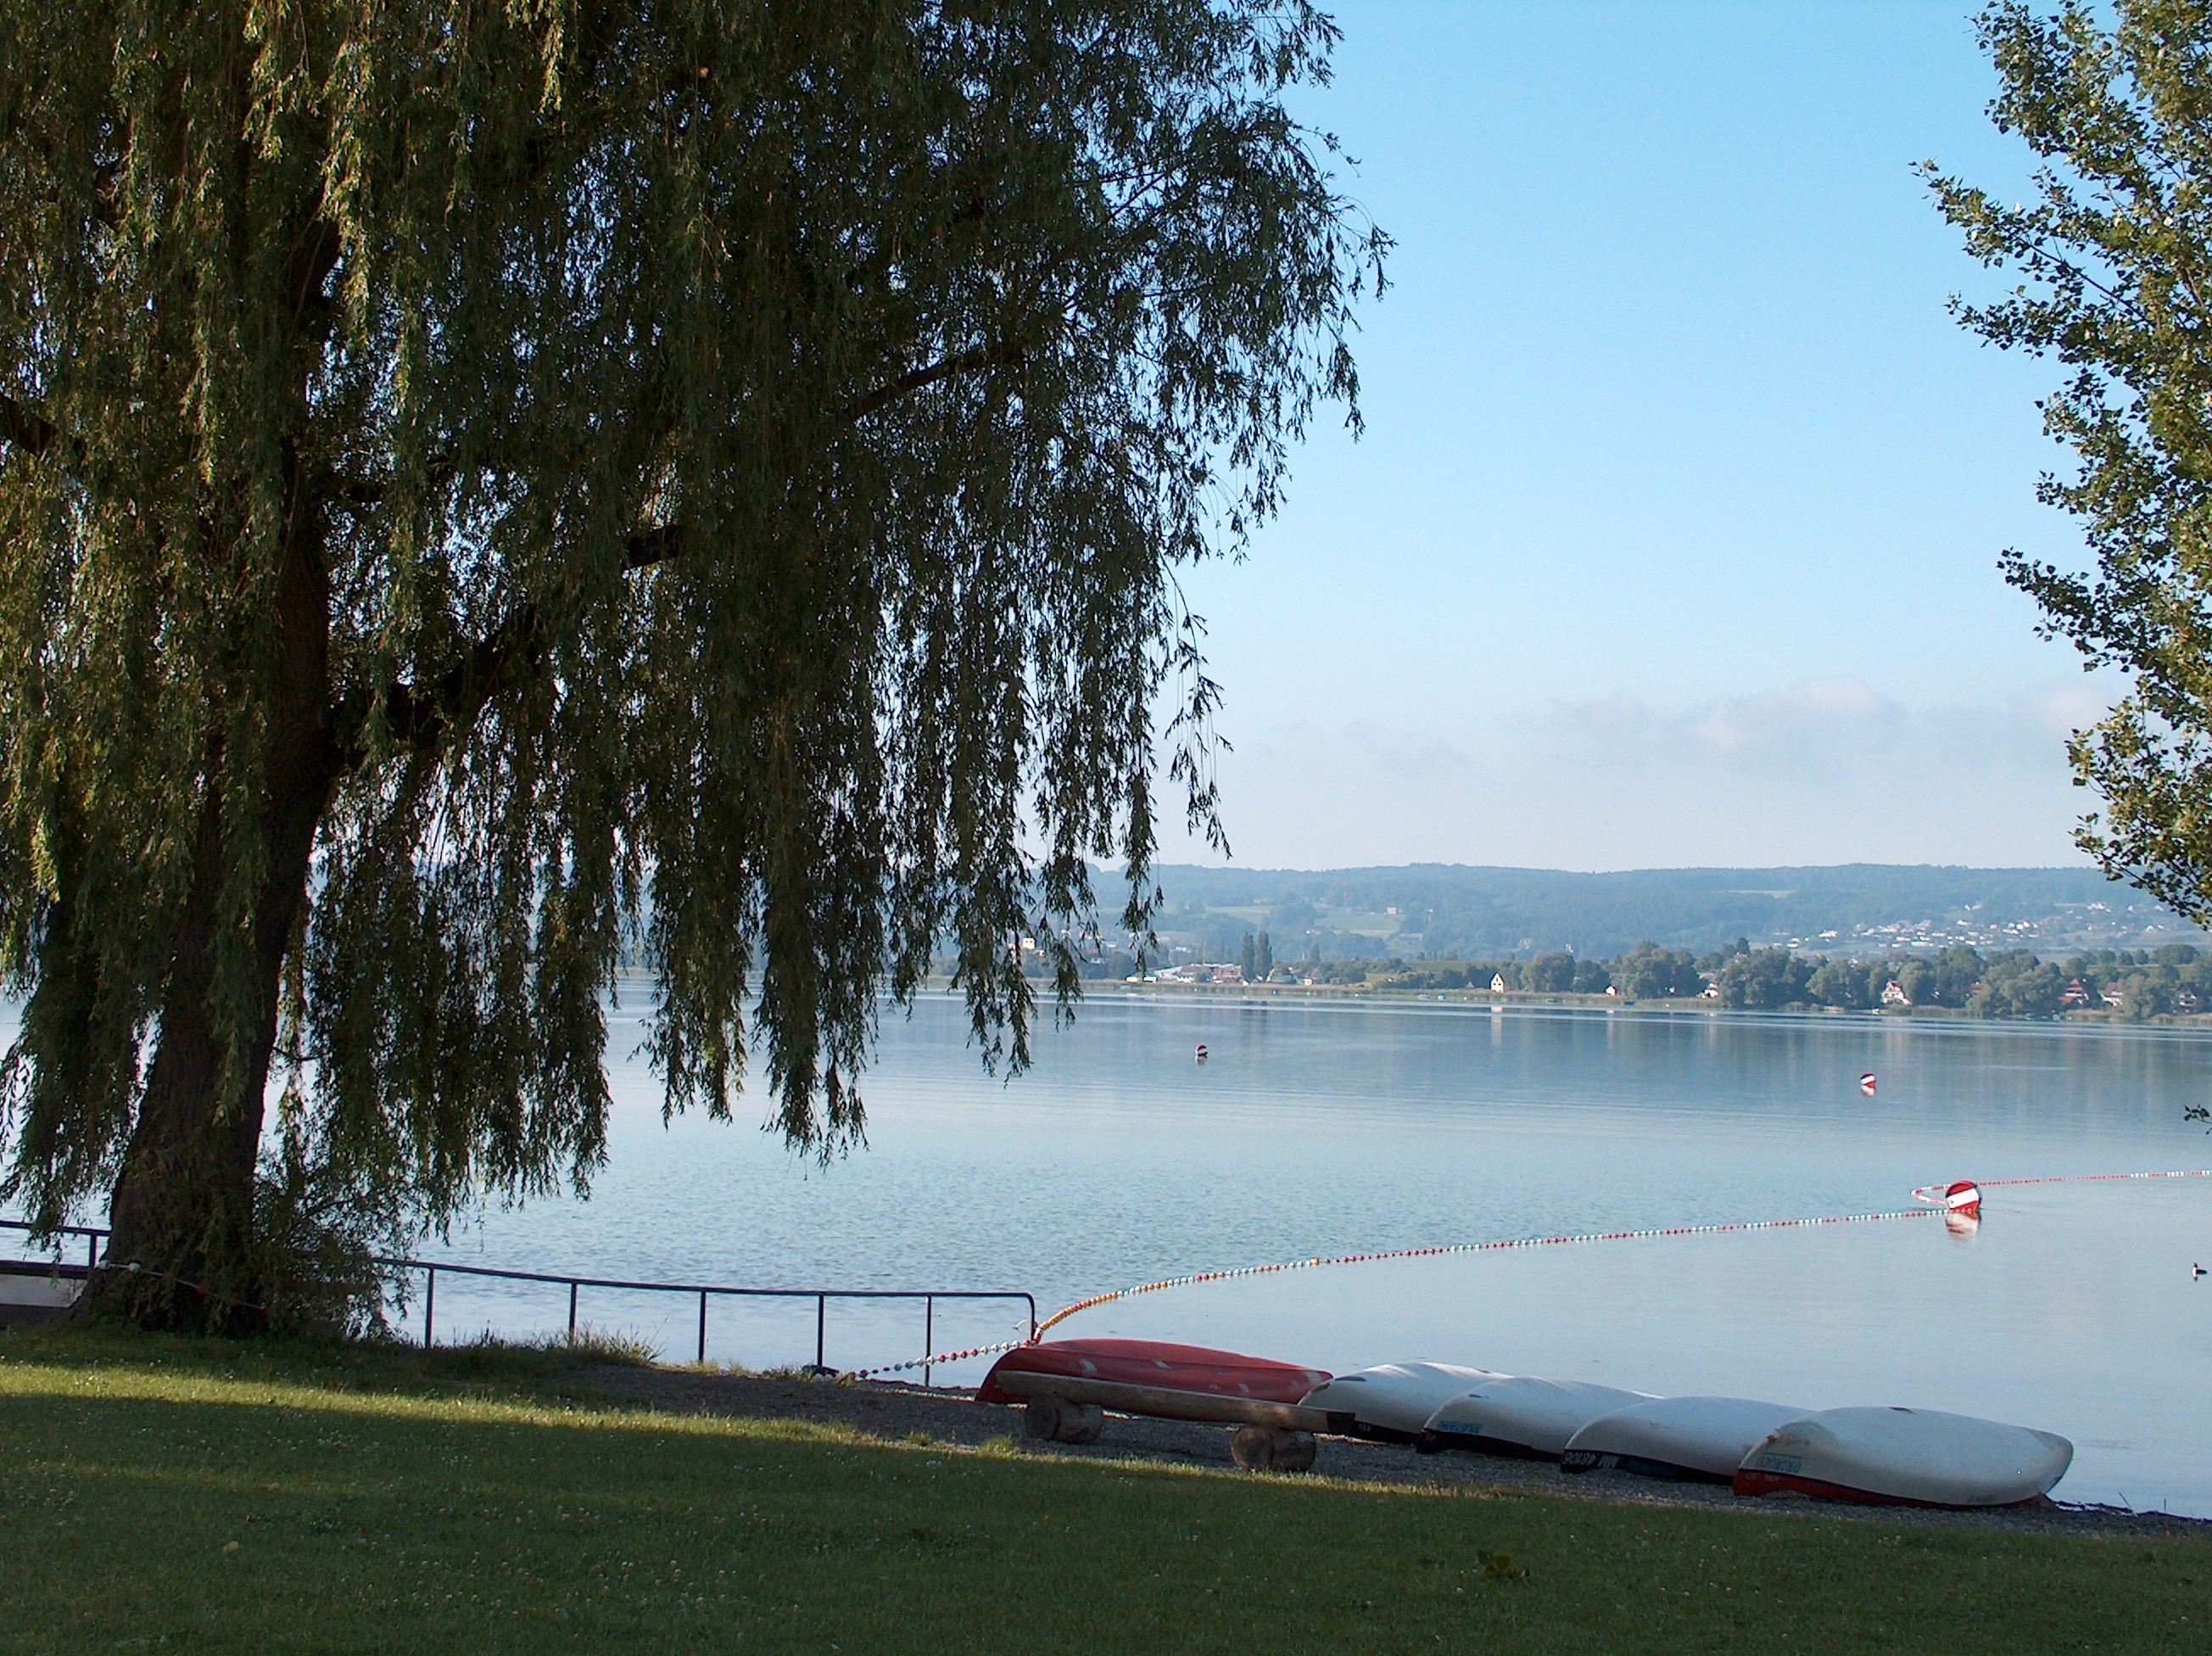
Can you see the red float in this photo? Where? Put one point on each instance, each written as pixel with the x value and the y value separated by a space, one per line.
pixel 1152 1364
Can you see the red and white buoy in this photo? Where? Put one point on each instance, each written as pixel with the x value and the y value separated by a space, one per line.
pixel 1201 1052
pixel 1961 1196
pixel 1866 1083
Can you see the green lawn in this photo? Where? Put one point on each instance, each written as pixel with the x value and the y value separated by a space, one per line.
pixel 158 1494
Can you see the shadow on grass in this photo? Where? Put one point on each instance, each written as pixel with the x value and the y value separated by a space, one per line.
pixel 522 1365
pixel 268 1496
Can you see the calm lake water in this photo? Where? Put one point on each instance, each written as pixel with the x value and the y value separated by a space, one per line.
pixel 1332 1128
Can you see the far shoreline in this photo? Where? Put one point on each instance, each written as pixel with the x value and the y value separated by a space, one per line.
pixel 1261 994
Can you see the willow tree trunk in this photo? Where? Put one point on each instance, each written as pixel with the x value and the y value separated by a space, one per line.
pixel 183 1207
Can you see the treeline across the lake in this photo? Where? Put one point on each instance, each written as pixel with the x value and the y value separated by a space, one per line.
pixel 2139 983
pixel 1471 914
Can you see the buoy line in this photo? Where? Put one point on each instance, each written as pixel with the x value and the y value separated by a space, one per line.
pixel 1928 1194
pixel 1469 1247
pixel 2092 1178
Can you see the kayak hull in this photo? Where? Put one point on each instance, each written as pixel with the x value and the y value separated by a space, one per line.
pixel 1522 1418
pixel 1703 1439
pixel 1906 1457
pixel 1393 1402
pixel 1166 1403
pixel 1152 1377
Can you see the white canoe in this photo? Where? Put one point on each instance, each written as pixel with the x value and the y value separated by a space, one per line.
pixel 35 1293
pixel 1905 1456
pixel 1393 1401
pixel 1523 1417
pixel 1704 1438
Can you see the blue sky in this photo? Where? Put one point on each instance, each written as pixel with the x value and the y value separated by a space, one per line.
pixel 1672 539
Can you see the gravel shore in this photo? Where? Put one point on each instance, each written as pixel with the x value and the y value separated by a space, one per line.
pixel 946 1415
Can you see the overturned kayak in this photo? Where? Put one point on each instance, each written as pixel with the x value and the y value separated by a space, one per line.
pixel 1703 1438
pixel 1151 1377
pixel 37 1291
pixel 1522 1416
pixel 1395 1402
pixel 1905 1456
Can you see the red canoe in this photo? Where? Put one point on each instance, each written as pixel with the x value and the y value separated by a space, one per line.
pixel 1148 1377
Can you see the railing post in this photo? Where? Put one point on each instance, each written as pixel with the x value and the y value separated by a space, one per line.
pixel 96 1241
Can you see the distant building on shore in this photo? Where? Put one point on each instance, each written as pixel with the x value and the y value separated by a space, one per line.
pixel 1202 972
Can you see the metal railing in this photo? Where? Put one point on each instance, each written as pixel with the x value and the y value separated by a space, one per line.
pixel 709 1291
pixel 706 1292
pixel 93 1238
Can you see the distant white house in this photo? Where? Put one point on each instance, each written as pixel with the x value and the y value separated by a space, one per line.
pixel 1497 983
pixel 1893 994
pixel 1202 972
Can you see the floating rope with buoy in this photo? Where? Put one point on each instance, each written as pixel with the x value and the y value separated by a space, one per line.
pixel 1960 1195
pixel 2099 1178
pixel 1499 1246
pixel 1949 1199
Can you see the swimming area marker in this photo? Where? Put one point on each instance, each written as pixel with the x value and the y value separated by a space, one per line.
pixel 1937 1199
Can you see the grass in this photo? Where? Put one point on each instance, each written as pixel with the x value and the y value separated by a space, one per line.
pixel 160 1494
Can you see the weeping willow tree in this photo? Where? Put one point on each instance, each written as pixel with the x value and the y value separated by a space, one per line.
pixel 2112 250
pixel 490 484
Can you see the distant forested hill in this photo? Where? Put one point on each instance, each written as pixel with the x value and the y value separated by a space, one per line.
pixel 1450 910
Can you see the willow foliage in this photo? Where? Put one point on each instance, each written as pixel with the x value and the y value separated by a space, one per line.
pixel 2114 254
pixel 488 483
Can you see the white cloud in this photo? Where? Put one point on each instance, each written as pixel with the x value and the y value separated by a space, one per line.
pixel 1816 722
pixel 1828 770
pixel 2058 710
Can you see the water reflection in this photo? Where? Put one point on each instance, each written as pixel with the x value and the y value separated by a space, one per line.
pixel 1317 1130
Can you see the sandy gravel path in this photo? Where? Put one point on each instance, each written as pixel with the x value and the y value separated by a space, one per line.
pixel 947 1416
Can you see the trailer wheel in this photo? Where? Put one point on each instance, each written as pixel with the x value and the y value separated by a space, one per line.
pixel 1272 1449
pixel 1055 1420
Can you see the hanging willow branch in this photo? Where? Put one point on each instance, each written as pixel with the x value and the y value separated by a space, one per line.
pixel 489 491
